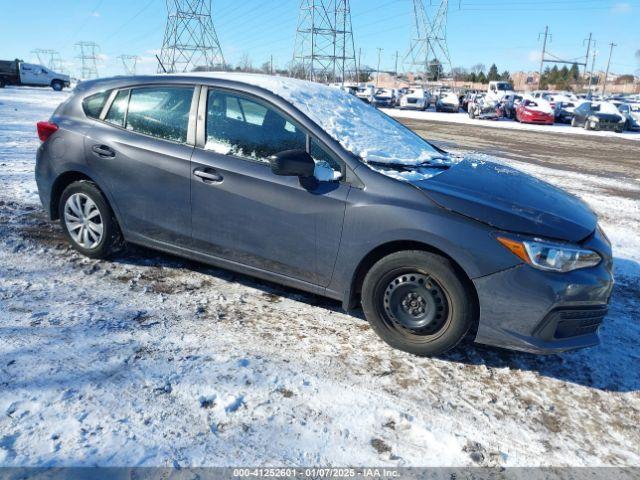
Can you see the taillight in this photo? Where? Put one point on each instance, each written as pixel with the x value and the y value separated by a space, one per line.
pixel 46 129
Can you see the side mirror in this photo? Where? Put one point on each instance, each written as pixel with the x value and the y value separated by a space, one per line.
pixel 292 163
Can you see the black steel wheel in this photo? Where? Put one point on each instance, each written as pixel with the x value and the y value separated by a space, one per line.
pixel 416 301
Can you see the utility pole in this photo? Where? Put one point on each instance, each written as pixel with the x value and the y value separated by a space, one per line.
pixel 271 65
pixel 586 57
pixel 190 39
pixel 544 52
pixel 593 66
pixel 396 68
pixel 606 75
pixel 378 69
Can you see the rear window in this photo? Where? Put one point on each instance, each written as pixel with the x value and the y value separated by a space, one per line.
pixel 161 112
pixel 94 104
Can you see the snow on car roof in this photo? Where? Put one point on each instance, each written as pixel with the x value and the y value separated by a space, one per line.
pixel 360 128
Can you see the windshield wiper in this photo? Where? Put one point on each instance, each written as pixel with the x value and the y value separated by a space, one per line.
pixel 405 166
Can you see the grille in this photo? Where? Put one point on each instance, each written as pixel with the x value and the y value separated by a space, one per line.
pixel 573 323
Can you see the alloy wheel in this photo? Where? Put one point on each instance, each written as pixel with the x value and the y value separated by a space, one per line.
pixel 83 220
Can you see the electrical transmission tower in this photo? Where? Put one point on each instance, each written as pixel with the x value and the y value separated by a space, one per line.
pixel 190 39
pixel 429 53
pixel 324 48
pixel 50 58
pixel 89 59
pixel 129 63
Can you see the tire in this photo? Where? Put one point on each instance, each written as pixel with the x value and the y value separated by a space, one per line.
pixel 2 83
pixel 586 125
pixel 573 122
pixel 57 85
pixel 431 324
pixel 78 197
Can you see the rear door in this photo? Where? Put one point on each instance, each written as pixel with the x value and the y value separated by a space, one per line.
pixel 142 150
pixel 244 213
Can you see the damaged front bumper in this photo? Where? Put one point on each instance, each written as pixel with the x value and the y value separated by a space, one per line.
pixel 542 312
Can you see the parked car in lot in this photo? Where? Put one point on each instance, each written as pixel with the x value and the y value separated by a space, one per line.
pixel 365 93
pixel 448 102
pixel 415 99
pixel 535 110
pixel 307 186
pixel 385 98
pixel 598 116
pixel 17 72
pixel 510 104
pixel 563 110
pixel 631 111
pixel 468 97
pixel 485 108
pixel 497 90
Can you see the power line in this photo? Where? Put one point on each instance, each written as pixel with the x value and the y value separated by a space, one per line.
pixel 190 39
pixel 89 58
pixel 324 48
pixel 429 43
pixel 129 63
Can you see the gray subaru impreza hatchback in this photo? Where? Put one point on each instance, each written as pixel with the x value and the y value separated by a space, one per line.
pixel 307 186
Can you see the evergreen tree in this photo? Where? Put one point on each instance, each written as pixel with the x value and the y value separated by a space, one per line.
pixel 506 76
pixel 481 78
pixel 574 73
pixel 493 73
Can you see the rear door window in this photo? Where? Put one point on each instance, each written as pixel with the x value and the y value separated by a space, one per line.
pixel 161 112
pixel 118 110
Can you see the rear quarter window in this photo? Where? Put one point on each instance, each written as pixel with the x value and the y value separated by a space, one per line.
pixel 94 104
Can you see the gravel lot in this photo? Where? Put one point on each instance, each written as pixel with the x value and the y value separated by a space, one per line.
pixel 152 360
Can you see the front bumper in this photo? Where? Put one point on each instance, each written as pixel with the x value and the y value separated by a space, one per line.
pixel 531 310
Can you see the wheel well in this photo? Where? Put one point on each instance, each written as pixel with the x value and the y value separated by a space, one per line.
pixel 388 248
pixel 62 182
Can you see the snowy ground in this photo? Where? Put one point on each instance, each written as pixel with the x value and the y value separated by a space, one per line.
pixel 463 118
pixel 152 360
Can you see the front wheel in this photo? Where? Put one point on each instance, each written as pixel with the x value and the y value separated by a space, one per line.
pixel 57 85
pixel 416 302
pixel 88 221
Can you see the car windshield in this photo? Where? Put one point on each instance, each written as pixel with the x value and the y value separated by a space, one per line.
pixel 504 86
pixel 359 128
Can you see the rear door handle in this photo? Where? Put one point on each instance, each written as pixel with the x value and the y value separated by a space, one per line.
pixel 103 151
pixel 208 175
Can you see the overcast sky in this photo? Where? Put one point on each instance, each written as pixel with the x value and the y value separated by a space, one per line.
pixel 479 31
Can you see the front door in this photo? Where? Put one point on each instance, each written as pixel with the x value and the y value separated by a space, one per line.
pixel 244 213
pixel 141 152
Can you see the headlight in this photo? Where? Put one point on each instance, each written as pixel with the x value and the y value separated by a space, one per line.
pixel 550 256
pixel 593 118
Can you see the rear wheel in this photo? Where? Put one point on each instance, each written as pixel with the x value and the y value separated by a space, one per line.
pixel 88 221
pixel 416 302
pixel 2 83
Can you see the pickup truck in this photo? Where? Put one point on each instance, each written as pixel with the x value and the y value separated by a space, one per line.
pixel 17 72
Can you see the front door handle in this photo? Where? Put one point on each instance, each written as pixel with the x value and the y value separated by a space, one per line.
pixel 208 175
pixel 103 151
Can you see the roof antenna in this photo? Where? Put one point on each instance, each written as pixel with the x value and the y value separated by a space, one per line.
pixel 160 63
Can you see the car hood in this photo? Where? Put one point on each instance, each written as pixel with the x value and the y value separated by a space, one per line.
pixel 508 199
